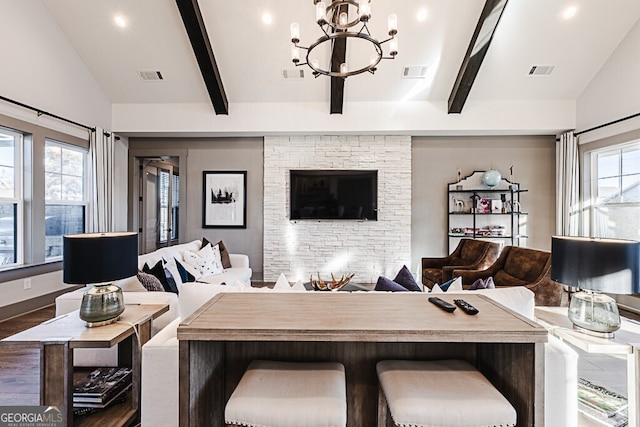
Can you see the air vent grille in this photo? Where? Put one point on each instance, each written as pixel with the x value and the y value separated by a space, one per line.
pixel 151 76
pixel 293 73
pixel 541 70
pixel 414 72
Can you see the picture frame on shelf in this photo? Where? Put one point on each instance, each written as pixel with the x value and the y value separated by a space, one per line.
pixel 483 206
pixel 224 199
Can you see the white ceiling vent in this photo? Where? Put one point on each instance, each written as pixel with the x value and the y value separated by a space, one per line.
pixel 151 76
pixel 414 72
pixel 541 70
pixel 293 73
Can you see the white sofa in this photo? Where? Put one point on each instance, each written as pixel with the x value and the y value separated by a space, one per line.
pixel 159 404
pixel 135 293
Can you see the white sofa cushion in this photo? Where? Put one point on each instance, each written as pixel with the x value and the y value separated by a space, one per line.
pixel 169 252
pixel 130 284
pixel 561 384
pixel 159 400
pixel 239 271
pixel 517 298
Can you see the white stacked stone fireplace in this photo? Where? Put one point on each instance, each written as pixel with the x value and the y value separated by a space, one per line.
pixel 369 249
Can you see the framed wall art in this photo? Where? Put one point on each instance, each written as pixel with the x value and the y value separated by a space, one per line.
pixel 224 199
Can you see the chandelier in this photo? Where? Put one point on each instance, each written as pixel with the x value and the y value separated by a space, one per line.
pixel 337 23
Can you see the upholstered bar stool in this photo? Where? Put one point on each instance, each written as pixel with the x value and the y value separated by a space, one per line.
pixel 439 393
pixel 289 394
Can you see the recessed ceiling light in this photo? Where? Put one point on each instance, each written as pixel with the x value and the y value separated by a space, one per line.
pixel 267 19
pixel 119 21
pixel 569 12
pixel 422 15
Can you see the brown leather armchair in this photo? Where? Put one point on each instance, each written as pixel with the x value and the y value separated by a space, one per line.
pixel 518 266
pixel 469 255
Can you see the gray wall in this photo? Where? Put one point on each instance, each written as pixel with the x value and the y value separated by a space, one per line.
pixel 219 154
pixel 435 163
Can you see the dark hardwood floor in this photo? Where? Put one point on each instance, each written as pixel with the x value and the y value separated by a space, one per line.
pixel 20 369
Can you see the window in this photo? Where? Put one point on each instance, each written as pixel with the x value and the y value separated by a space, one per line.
pixel 175 206
pixel 615 192
pixel 65 194
pixel 10 197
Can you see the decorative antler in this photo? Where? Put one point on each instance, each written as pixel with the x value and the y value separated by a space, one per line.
pixel 334 285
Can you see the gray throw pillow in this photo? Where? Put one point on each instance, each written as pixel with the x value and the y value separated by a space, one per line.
pixel 150 282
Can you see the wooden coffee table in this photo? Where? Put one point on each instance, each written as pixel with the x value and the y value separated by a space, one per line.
pixel 58 337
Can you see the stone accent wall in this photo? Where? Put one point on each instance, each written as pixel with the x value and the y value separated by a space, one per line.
pixel 367 248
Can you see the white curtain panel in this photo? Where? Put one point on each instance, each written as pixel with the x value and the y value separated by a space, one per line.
pixel 102 151
pixel 567 185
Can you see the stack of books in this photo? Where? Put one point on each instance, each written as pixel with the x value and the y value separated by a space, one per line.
pixel 602 405
pixel 101 387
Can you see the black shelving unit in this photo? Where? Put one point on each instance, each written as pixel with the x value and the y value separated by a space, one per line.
pixel 478 211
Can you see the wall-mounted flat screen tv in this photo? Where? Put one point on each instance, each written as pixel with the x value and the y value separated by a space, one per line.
pixel 334 194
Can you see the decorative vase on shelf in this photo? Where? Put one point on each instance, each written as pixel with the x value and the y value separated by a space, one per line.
pixel 491 178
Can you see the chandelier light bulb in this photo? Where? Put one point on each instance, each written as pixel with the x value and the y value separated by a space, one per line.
pixel 364 10
pixel 343 67
pixel 295 55
pixel 295 32
pixel 321 8
pixel 344 18
pixel 393 47
pixel 393 24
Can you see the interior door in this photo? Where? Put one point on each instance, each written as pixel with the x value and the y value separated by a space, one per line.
pixel 158 202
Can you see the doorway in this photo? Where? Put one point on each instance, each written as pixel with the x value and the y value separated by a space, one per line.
pixel 158 202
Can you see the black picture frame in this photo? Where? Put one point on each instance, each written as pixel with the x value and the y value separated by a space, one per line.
pixel 224 199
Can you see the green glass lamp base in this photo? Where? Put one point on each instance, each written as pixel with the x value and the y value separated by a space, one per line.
pixel 101 305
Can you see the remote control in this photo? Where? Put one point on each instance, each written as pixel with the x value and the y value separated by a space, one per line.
pixel 442 304
pixel 465 306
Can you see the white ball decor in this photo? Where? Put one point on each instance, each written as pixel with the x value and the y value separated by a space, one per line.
pixel 491 178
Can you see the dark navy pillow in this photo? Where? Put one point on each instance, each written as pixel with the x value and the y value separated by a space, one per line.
pixel 171 282
pixel 405 279
pixel 385 284
pixel 445 286
pixel 185 276
pixel 158 271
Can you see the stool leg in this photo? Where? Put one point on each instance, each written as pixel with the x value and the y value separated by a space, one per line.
pixel 383 410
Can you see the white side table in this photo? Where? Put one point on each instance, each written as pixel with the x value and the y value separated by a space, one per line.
pixel 626 342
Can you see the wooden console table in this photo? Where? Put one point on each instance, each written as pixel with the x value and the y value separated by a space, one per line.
pixel 357 329
pixel 626 342
pixel 57 338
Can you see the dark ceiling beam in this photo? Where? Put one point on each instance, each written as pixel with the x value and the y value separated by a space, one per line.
pixel 338 56
pixel 476 52
pixel 194 24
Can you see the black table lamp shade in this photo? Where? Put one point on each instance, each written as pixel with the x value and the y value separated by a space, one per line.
pixel 99 257
pixel 604 265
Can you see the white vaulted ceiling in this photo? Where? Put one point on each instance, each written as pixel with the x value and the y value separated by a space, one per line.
pixel 251 55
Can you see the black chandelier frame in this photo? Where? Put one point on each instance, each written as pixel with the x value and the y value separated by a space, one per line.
pixel 341 31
